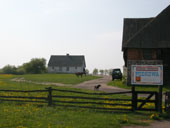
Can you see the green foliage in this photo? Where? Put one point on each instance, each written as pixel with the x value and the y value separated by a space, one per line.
pixel 35 66
pixel 155 116
pixel 101 72
pixel 121 84
pixel 95 71
pixel 9 69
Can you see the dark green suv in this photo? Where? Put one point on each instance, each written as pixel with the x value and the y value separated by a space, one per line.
pixel 116 74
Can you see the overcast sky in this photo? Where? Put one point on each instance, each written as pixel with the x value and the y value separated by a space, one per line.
pixel 41 28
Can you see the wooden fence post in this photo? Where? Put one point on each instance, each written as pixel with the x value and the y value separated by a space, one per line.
pixel 134 98
pixel 50 101
pixel 160 98
pixel 157 101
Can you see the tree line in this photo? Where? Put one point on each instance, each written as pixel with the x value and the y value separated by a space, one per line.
pixel 38 66
pixel 102 71
pixel 34 66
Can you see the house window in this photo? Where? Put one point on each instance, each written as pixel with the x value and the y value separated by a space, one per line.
pixel 147 54
pixel 53 68
pixel 76 67
pixel 67 68
pixel 60 69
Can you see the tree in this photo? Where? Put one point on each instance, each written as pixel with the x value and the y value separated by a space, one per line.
pixel 9 69
pixel 95 71
pixel 110 71
pixel 101 71
pixel 35 66
pixel 106 72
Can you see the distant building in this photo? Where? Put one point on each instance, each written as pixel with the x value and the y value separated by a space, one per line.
pixel 146 41
pixel 66 64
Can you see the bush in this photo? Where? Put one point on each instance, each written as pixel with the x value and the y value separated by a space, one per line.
pixel 9 69
pixel 35 66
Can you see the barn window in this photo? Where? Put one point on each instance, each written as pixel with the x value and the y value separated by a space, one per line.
pixel 147 54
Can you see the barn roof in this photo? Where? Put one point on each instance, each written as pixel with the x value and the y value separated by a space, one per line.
pixel 66 60
pixel 147 32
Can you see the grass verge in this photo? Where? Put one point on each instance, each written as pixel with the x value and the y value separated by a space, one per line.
pixel 120 84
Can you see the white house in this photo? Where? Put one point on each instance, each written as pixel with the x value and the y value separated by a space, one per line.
pixel 66 64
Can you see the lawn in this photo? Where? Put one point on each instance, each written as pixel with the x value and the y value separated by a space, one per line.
pixel 120 84
pixel 31 115
pixel 58 78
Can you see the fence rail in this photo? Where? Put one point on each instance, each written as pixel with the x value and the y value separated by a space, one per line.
pixel 86 101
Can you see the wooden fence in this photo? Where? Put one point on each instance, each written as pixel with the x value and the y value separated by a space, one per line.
pixel 19 98
pixel 69 99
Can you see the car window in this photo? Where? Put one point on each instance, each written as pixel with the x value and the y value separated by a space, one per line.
pixel 117 71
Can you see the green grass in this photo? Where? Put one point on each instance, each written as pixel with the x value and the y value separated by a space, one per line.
pixel 120 84
pixel 57 78
pixel 31 115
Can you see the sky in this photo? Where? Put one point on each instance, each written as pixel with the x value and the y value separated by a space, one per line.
pixel 93 28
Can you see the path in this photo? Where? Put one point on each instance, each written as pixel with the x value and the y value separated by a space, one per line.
pixel 155 124
pixel 103 82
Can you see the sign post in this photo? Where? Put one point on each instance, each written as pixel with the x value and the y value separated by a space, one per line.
pixel 147 75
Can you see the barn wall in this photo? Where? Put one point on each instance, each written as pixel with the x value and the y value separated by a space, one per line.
pixel 134 54
pixel 138 54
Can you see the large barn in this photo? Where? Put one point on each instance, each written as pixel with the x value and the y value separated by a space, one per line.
pixel 66 64
pixel 146 41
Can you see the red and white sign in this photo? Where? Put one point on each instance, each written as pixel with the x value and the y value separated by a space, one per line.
pixel 147 74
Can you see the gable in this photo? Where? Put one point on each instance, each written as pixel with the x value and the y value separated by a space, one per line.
pixel 154 34
pixel 132 26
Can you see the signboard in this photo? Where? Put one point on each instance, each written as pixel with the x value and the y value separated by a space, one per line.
pixel 147 75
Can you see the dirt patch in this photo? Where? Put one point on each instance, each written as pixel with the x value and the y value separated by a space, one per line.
pixel 42 83
pixel 155 124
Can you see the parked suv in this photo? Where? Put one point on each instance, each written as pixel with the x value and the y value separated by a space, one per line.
pixel 116 74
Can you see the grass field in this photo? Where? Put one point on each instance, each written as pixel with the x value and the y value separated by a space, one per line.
pixel 29 115
pixel 119 83
pixel 57 78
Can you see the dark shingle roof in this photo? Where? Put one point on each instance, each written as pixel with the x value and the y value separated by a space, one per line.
pixel 67 60
pixel 147 32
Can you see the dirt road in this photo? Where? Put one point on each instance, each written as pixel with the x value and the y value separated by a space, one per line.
pixel 103 82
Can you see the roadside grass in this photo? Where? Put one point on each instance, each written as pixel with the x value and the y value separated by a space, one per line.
pixel 31 115
pixel 57 78
pixel 120 84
